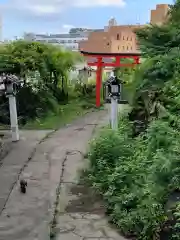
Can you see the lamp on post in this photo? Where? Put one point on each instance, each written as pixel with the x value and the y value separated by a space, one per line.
pixel 10 87
pixel 84 74
pixel 9 84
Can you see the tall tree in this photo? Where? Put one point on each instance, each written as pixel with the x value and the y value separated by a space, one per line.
pixel 52 63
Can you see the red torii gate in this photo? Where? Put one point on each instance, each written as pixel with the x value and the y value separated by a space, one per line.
pixel 99 63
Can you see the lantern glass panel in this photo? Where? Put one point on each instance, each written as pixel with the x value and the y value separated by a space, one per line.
pixel 2 87
pixel 114 89
pixel 9 88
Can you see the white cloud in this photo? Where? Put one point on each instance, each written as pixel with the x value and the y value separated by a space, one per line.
pixel 67 26
pixel 50 7
pixel 97 3
pixel 42 10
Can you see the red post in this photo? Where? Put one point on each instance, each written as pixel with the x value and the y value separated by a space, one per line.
pixel 137 60
pixel 98 81
pixel 117 62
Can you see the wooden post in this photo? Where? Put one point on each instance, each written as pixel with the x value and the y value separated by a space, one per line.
pixel 98 81
pixel 137 60
pixel 117 62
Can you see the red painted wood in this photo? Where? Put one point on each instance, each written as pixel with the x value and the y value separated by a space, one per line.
pixel 136 60
pixel 118 59
pixel 110 56
pixel 100 64
pixel 113 64
pixel 117 62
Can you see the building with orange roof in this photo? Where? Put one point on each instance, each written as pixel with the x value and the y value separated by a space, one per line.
pixel 120 38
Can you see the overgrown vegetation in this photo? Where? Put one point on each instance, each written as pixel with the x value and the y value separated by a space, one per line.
pixel 136 168
pixel 44 70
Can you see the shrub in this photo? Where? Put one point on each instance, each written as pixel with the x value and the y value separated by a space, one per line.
pixel 105 152
pixel 4 110
pixel 85 90
pixel 136 176
pixel 33 104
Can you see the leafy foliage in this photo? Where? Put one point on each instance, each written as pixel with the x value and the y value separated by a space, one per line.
pixel 136 176
pixel 158 40
pixel 44 69
pixel 136 169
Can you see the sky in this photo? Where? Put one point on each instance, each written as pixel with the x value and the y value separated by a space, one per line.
pixel 58 16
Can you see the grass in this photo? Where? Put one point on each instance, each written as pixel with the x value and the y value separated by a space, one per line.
pixel 65 114
pixel 4 127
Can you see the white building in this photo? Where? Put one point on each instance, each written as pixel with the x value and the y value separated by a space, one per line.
pixel 67 40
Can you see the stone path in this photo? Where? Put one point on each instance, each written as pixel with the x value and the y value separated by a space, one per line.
pixel 12 165
pixel 81 213
pixel 81 216
pixel 51 169
pixel 5 145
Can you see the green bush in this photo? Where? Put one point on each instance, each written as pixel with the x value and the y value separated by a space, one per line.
pixel 86 94
pixel 4 110
pixel 44 70
pixel 105 153
pixel 138 172
pixel 136 176
pixel 33 104
pixel 85 90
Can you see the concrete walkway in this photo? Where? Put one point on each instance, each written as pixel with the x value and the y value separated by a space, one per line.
pixel 12 165
pixel 51 169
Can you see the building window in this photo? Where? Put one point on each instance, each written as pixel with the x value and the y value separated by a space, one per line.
pixel 53 41
pixel 118 38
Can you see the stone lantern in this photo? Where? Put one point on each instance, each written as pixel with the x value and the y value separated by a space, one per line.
pixel 84 74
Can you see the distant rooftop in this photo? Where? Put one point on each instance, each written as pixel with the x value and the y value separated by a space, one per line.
pixel 71 34
pixel 79 30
